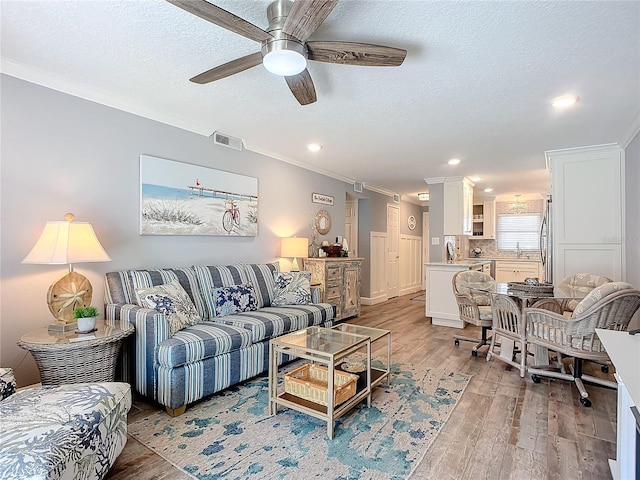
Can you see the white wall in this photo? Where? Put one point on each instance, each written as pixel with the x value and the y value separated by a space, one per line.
pixel 632 213
pixel 63 154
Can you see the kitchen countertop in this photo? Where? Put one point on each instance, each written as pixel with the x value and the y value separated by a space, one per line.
pixel 503 259
pixel 469 262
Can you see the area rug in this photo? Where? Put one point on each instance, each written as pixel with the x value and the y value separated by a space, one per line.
pixel 231 435
pixel 419 298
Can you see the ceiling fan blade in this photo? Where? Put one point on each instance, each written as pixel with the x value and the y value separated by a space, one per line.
pixel 222 18
pixel 349 53
pixel 234 66
pixel 302 87
pixel 307 15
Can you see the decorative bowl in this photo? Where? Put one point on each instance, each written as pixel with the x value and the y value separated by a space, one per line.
pixel 332 250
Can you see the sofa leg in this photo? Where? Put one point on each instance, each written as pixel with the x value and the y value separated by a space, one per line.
pixel 176 412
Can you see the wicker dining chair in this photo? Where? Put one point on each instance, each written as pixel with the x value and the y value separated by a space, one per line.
pixel 609 306
pixel 580 285
pixel 474 307
pixel 508 323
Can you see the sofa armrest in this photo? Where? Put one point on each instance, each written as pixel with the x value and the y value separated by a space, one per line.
pixel 316 294
pixel 152 328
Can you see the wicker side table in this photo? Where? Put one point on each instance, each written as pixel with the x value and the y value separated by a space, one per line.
pixel 73 357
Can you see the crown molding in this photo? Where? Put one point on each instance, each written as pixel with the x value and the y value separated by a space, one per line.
pixel 76 89
pixel 632 131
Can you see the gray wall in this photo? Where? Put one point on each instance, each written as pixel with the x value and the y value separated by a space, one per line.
pixel 407 209
pixel 64 154
pixel 364 244
pixel 632 212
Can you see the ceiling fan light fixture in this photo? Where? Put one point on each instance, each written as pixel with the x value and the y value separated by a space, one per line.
pixel 564 101
pixel 284 57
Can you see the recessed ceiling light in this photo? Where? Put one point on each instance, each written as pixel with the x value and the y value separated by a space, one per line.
pixel 453 161
pixel 314 147
pixel 564 101
pixel 476 179
pixel 488 190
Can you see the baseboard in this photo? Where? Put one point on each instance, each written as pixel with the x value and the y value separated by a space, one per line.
pixel 411 289
pixel 373 300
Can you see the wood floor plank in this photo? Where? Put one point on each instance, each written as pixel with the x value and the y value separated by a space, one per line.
pixel 503 427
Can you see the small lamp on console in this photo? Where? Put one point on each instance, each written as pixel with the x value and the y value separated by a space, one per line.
pixel 65 243
pixel 296 247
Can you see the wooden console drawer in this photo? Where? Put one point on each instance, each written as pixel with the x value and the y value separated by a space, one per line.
pixel 333 273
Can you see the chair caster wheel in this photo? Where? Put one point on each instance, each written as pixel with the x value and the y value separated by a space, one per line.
pixel 474 353
pixel 535 378
pixel 605 368
pixel 456 342
pixel 585 402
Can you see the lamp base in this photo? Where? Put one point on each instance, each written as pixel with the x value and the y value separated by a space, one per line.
pixel 62 326
pixel 294 265
pixel 69 292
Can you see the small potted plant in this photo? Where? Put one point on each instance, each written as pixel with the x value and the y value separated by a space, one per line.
pixel 86 317
pixel 476 251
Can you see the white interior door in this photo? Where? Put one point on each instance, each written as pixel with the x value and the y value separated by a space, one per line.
pixel 393 251
pixel 425 246
pixel 351 226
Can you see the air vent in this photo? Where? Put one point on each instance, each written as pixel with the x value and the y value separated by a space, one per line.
pixel 357 187
pixel 396 198
pixel 227 141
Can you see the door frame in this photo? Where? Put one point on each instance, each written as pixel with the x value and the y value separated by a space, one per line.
pixel 391 272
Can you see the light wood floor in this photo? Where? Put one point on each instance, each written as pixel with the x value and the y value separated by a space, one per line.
pixel 503 428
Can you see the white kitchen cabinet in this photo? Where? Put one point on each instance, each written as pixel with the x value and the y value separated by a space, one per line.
pixel 587 191
pixel 484 220
pixel 458 206
pixel 516 271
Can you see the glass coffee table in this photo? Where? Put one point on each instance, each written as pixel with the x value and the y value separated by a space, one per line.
pixel 325 348
pixel 378 374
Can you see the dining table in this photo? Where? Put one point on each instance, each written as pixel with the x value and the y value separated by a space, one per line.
pixel 526 296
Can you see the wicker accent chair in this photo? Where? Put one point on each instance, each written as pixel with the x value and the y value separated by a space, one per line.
pixel 473 307
pixel 579 285
pixel 508 323
pixel 548 304
pixel 609 306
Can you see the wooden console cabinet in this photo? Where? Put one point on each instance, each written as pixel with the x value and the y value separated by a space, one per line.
pixel 339 280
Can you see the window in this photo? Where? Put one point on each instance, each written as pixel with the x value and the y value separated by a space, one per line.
pixel 522 230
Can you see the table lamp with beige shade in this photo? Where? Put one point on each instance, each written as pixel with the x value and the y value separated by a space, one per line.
pixel 67 242
pixel 295 247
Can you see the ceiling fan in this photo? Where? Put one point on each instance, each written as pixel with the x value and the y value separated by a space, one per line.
pixel 285 49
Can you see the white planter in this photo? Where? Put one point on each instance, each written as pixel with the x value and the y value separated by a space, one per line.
pixel 86 324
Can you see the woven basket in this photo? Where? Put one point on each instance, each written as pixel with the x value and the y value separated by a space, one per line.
pixel 525 287
pixel 310 383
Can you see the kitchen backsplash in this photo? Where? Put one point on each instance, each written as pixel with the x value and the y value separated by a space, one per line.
pixel 490 250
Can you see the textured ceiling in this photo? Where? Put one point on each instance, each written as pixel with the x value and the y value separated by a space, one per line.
pixel 476 83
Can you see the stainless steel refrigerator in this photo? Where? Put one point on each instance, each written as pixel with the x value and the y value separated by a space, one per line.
pixel 546 241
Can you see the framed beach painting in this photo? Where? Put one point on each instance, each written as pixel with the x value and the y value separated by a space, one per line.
pixel 182 199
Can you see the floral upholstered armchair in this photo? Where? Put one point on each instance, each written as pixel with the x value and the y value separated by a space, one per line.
pixel 61 432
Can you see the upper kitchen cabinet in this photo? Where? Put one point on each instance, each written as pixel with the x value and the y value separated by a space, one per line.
pixel 587 192
pixel 458 206
pixel 484 220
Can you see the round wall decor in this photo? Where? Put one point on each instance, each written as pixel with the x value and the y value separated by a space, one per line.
pixel 411 222
pixel 323 222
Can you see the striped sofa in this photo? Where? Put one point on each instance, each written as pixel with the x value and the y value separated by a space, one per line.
pixel 210 356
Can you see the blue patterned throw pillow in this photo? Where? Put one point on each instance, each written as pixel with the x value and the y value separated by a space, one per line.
pixel 7 383
pixel 172 300
pixel 234 299
pixel 292 288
